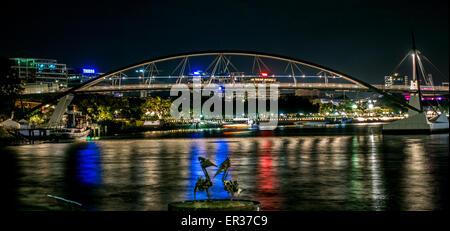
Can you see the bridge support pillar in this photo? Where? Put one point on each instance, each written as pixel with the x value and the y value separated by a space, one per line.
pixel 144 94
pixel 59 110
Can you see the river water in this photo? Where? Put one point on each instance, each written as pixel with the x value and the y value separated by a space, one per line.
pixel 333 167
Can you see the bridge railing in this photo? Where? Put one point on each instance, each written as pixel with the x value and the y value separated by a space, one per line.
pixel 281 85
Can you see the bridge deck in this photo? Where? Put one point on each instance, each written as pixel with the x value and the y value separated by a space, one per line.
pixel 311 86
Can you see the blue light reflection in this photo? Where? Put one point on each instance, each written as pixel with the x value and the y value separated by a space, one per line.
pixel 221 152
pixel 89 172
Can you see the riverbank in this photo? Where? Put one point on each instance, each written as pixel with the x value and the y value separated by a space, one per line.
pixel 114 130
pixel 8 138
pixel 5 137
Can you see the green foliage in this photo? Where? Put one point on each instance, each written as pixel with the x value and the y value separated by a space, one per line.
pixel 156 108
pixel 131 108
pixel 326 107
pixel 104 113
pixel 445 106
pixel 345 105
pixel 391 103
pixel 107 108
pixel 37 119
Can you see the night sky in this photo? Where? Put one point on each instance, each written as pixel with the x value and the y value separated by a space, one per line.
pixel 365 39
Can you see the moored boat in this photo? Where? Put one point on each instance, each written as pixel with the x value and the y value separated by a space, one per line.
pixel 71 133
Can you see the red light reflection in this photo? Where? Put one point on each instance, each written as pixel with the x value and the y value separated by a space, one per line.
pixel 267 182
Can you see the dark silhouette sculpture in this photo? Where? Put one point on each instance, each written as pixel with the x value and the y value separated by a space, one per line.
pixel 230 186
pixel 203 184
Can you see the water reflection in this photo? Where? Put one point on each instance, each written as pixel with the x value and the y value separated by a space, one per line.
pixel 216 151
pixel 89 168
pixel 267 179
pixel 360 171
pixel 221 154
pixel 418 186
pixel 376 177
pixel 8 175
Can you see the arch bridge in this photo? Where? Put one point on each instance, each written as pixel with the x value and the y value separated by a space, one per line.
pixel 231 67
pixel 222 67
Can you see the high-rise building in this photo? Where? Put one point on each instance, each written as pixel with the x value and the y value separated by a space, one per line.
pixel 79 75
pixel 395 80
pixel 388 81
pixel 40 75
pixel 40 70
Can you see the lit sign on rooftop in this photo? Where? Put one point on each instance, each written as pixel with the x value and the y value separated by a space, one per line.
pixel 88 71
